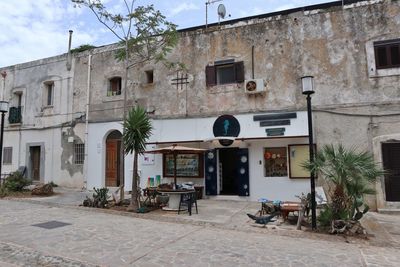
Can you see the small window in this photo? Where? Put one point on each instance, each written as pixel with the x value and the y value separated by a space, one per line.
pixel 225 72
pixel 79 157
pixel 114 87
pixel 149 76
pixel 18 98
pixel 7 152
pixel 49 91
pixel 275 162
pixel 387 54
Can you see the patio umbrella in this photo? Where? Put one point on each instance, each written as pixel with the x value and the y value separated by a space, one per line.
pixel 175 150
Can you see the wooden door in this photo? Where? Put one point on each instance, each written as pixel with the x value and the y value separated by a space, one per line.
pixel 391 163
pixel 35 163
pixel 111 162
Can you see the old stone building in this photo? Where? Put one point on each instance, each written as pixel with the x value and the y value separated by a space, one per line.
pixel 44 126
pixel 240 98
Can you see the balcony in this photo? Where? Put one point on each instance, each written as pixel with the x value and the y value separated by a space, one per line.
pixel 15 115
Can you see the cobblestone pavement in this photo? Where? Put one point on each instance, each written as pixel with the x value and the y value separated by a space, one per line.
pixel 107 239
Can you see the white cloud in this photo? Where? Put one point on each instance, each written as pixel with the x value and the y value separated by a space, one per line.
pixel 34 29
pixel 182 8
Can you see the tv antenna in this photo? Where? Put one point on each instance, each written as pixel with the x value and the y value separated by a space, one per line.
pixel 209 2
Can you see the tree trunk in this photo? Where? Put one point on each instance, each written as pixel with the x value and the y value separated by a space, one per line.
pixel 122 162
pixel 134 196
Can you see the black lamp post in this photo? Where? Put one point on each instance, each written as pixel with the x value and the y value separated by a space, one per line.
pixel 307 83
pixel 3 110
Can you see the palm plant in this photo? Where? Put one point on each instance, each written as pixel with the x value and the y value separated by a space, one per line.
pixel 352 174
pixel 137 130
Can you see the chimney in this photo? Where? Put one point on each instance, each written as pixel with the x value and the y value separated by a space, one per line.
pixel 69 57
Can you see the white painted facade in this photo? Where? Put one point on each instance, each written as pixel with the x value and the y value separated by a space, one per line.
pixel 192 132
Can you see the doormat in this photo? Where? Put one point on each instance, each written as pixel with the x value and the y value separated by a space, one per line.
pixel 51 224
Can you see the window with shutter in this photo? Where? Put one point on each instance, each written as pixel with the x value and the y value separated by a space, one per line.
pixel 48 93
pixel 387 54
pixel 239 72
pixel 7 158
pixel 225 73
pixel 210 76
pixel 114 87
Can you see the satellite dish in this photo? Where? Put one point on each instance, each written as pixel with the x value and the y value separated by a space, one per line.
pixel 221 11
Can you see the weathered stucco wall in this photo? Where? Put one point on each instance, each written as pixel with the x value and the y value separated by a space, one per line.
pixel 330 44
pixel 42 124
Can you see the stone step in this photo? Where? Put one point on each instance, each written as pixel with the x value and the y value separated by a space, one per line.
pixel 389 211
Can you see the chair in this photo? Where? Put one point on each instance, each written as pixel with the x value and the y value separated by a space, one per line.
pixel 188 199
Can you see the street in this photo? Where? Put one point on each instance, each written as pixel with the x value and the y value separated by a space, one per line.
pixel 90 238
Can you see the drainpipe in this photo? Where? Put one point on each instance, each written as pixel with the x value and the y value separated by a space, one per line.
pixel 69 57
pixel 86 165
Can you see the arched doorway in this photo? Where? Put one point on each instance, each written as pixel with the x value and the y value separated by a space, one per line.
pixel 113 158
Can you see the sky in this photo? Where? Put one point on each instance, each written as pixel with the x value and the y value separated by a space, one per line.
pixel 35 29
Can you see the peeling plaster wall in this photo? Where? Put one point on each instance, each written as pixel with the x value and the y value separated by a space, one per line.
pixel 328 43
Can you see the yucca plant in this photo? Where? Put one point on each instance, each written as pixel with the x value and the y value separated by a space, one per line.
pixel 137 130
pixel 352 174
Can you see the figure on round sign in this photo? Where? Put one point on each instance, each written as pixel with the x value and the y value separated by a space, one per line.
pixel 226 126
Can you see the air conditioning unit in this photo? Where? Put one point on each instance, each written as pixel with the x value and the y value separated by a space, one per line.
pixel 254 86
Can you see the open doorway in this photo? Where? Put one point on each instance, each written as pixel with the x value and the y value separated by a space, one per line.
pixel 228 171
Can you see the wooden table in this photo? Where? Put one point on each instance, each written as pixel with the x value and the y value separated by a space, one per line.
pixel 287 207
pixel 174 198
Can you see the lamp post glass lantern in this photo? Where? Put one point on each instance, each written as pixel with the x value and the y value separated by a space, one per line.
pixel 3 110
pixel 307 83
pixel 3 106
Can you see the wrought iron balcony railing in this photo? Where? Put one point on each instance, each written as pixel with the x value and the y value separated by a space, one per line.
pixel 15 115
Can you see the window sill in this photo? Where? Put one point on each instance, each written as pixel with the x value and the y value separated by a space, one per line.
pixel 113 98
pixel 15 124
pixel 384 72
pixel 224 88
pixel 47 107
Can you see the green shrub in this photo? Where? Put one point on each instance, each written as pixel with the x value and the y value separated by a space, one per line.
pixel 99 199
pixel 325 217
pixel 16 182
pixel 3 191
pixel 53 184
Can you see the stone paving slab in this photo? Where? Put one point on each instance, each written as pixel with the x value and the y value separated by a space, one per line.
pixel 111 240
pixel 14 255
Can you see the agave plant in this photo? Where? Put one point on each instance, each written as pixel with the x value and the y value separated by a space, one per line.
pixel 352 174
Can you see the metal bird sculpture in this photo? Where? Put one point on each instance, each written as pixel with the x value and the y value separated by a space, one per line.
pixel 263 219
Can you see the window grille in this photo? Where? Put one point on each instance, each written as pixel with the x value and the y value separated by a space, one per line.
pixel 79 153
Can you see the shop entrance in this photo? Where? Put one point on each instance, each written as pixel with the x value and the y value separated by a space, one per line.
pixel 232 177
pixel 228 171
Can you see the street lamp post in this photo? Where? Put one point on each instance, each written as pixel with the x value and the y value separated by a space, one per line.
pixel 307 83
pixel 3 110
